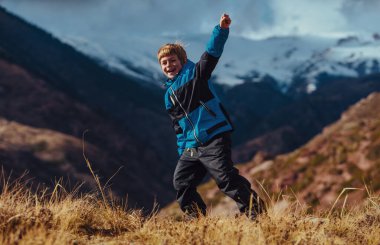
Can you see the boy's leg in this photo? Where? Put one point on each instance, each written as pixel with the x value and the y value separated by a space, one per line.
pixel 187 176
pixel 216 157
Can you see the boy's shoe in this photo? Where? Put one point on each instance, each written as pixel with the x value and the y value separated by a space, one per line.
pixel 193 213
pixel 258 208
pixel 192 216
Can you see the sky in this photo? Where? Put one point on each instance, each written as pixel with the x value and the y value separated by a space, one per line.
pixel 251 18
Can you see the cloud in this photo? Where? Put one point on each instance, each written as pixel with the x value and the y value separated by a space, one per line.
pixel 154 17
pixel 147 16
pixel 306 17
pixel 63 2
pixel 319 17
pixel 362 14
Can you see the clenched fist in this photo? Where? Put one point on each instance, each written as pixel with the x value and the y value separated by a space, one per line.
pixel 225 21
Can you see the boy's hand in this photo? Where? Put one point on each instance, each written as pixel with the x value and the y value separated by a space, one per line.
pixel 225 21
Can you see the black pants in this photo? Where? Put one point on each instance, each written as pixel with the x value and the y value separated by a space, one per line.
pixel 214 158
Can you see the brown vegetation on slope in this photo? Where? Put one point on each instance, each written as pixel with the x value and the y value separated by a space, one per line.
pixel 292 126
pixel 33 113
pixel 45 153
pixel 345 155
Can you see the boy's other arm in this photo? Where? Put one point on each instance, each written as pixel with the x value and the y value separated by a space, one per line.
pixel 214 48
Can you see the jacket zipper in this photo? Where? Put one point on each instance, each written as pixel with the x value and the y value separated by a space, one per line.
pixel 172 99
pixel 187 116
pixel 208 109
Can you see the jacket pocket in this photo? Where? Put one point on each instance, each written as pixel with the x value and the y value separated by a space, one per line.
pixel 212 113
pixel 226 115
pixel 216 126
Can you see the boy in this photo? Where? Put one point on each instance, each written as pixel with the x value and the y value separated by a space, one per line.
pixel 202 126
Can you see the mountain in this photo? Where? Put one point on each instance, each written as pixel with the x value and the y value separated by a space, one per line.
pixel 348 57
pixel 295 123
pixel 125 41
pixel 118 29
pixel 298 64
pixel 47 87
pixel 249 103
pixel 273 78
pixel 345 154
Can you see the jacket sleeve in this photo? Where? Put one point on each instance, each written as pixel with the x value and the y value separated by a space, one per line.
pixel 214 50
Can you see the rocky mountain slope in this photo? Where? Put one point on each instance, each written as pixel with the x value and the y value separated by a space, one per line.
pixel 48 86
pixel 298 120
pixel 36 118
pixel 346 154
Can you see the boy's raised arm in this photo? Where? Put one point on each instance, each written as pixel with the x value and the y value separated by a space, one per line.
pixel 214 48
pixel 219 37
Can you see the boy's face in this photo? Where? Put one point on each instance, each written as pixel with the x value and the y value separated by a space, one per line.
pixel 170 65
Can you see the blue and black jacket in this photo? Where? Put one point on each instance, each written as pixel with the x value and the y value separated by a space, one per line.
pixel 196 112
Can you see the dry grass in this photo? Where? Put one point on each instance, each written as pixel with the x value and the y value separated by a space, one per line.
pixel 39 217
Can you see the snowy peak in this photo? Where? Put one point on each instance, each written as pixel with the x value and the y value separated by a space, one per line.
pixel 347 41
pixel 300 61
pixel 349 57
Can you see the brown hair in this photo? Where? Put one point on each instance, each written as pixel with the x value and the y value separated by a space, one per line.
pixel 170 49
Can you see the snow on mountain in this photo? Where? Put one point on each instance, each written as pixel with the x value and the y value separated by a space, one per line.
pixel 349 57
pixel 282 58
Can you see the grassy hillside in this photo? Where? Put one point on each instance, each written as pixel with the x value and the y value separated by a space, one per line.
pixel 345 155
pixel 57 217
